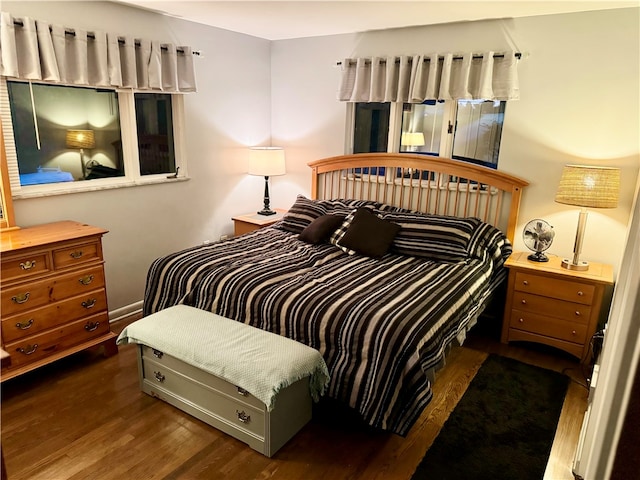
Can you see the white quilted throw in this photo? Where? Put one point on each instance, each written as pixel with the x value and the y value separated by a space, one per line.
pixel 260 362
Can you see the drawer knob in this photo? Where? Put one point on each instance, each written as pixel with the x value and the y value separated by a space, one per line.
pixel 24 325
pixel 580 293
pixel 28 265
pixel 242 391
pixel 86 280
pixel 22 298
pixel 159 377
pixel 157 353
pixel 29 350
pixel 573 332
pixel 577 313
pixel 91 326
pixel 525 283
pixel 524 302
pixel 77 254
pixel 521 320
pixel 243 417
pixel 89 303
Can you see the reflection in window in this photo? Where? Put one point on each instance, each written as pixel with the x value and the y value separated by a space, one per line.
pixel 155 133
pixel 371 130
pixel 64 134
pixel 478 131
pixel 422 127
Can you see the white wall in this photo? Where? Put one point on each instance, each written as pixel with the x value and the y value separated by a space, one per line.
pixel 572 110
pixel 230 111
pixel 579 90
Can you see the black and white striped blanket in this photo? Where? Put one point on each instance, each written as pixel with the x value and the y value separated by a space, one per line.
pixel 380 324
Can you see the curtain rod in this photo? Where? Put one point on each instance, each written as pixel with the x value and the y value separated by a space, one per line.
pixel 91 35
pixel 518 55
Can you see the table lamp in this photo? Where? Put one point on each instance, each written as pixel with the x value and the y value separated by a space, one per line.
pixel 81 139
pixel 586 186
pixel 266 162
pixel 412 140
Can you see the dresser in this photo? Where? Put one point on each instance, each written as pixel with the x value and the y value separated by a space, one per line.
pixel 248 223
pixel 53 295
pixel 549 304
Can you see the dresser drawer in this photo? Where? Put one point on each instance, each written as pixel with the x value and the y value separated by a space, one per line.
pixel 550 327
pixel 573 312
pixel 232 411
pixel 52 341
pixel 25 267
pixel 164 360
pixel 24 297
pixel 76 255
pixel 34 321
pixel 554 288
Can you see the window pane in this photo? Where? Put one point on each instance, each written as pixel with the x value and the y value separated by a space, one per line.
pixel 422 127
pixel 371 132
pixel 155 133
pixel 478 131
pixel 78 130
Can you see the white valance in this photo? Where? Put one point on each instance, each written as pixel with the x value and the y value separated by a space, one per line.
pixel 35 50
pixel 414 79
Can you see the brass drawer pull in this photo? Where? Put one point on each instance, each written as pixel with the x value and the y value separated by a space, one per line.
pixel 573 332
pixel 29 350
pixel 578 313
pixel 24 325
pixel 157 353
pixel 580 293
pixel 159 377
pixel 242 391
pixel 521 320
pixel 525 283
pixel 22 298
pixel 91 326
pixel 243 417
pixel 89 303
pixel 28 265
pixel 86 280
pixel 524 302
pixel 77 254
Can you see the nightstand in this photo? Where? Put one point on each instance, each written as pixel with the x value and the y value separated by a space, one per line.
pixel 253 221
pixel 552 305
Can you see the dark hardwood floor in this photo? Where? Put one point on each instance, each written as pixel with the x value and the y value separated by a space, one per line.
pixel 84 417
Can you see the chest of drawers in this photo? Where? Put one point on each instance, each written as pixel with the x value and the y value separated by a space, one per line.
pixel 555 306
pixel 52 294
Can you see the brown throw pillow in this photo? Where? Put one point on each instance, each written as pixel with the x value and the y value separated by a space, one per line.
pixel 368 234
pixel 321 229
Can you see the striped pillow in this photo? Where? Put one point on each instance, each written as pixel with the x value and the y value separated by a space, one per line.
pixel 436 237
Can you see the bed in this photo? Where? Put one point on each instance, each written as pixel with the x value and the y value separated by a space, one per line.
pixel 387 264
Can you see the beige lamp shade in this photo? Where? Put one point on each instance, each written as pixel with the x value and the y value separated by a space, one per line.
pixel 80 139
pixel 586 186
pixel 412 139
pixel 266 161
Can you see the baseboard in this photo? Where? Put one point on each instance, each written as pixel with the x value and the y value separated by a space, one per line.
pixel 125 312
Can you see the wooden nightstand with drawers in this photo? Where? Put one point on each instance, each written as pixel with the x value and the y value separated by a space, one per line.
pixel 253 221
pixel 53 294
pixel 553 305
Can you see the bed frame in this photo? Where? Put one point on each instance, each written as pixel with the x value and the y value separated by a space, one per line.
pixel 423 183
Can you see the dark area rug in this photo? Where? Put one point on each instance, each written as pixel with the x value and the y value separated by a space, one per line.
pixel 502 428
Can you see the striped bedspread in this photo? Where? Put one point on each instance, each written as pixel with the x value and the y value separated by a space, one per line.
pixel 378 323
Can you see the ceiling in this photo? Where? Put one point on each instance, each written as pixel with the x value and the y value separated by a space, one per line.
pixel 307 18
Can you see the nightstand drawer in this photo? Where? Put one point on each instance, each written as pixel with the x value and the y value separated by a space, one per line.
pixel 550 307
pixel 550 327
pixel 554 288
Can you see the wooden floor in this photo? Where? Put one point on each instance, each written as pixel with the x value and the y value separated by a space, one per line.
pixel 85 418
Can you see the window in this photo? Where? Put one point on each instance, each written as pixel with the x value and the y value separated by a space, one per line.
pixel 468 130
pixel 75 138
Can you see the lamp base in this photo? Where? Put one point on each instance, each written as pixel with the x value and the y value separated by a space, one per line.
pixel 266 211
pixel 580 266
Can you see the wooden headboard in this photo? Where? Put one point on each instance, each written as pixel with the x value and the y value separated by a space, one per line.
pixel 422 183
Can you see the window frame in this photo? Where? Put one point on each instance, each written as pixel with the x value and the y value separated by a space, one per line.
pixel 447 133
pixel 129 137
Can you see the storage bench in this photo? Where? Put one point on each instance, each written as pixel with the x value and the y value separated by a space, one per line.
pixel 253 385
